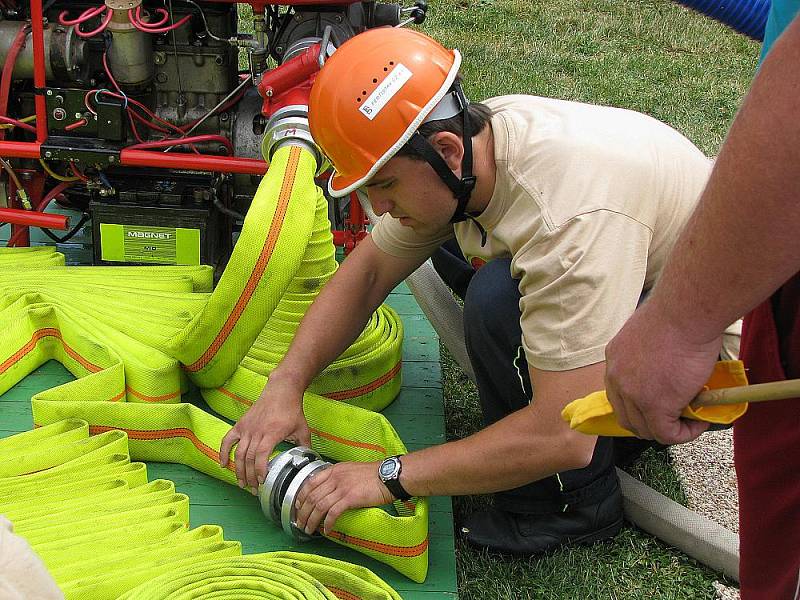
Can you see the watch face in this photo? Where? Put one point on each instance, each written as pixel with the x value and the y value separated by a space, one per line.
pixel 388 467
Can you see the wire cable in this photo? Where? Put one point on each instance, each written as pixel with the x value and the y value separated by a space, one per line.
pixel 70 234
pixel 55 175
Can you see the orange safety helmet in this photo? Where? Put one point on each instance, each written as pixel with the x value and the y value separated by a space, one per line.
pixel 372 95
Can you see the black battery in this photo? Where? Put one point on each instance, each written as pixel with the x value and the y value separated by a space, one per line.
pixel 156 217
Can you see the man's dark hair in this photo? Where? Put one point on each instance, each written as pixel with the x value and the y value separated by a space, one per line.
pixel 479 116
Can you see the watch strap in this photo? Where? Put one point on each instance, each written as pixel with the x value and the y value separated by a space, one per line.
pixel 393 483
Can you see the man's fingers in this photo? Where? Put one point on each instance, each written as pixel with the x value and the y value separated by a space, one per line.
pixel 315 493
pixel 225 447
pixel 251 456
pixel 679 431
pixel 333 515
pixel 265 448
pixel 304 437
pixel 240 457
pixel 311 484
pixel 635 421
pixel 316 506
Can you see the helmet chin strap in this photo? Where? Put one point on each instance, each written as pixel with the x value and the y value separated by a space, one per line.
pixel 461 188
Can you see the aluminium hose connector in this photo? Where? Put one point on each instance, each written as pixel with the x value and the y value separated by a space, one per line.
pixel 288 471
pixel 289 126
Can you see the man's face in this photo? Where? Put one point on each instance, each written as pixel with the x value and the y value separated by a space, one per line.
pixel 411 191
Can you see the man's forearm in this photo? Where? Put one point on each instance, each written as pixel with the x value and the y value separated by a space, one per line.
pixel 503 456
pixel 742 241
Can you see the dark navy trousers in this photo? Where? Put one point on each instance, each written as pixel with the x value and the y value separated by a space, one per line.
pixel 494 343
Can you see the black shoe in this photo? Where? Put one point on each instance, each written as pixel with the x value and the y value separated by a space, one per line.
pixel 514 533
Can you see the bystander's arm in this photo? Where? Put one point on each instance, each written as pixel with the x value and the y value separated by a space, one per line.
pixel 738 247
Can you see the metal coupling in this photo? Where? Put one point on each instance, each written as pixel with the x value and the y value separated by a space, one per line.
pixel 289 126
pixel 288 471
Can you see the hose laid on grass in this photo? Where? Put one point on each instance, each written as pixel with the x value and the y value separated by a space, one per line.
pixel 104 532
pixel 138 337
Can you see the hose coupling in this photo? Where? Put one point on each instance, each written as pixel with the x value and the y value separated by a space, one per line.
pixel 289 126
pixel 288 471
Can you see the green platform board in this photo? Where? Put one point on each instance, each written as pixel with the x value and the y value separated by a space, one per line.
pixel 417 414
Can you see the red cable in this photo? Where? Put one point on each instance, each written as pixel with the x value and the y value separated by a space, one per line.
pixel 93 32
pixel 16 123
pixel 8 69
pixel 77 173
pixel 82 18
pixel 76 125
pixel 147 123
pixel 136 18
pixel 195 139
pixel 148 28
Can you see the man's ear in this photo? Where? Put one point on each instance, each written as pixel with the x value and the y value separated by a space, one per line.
pixel 450 147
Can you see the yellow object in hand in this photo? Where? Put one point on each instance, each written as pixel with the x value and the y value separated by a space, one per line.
pixel 594 415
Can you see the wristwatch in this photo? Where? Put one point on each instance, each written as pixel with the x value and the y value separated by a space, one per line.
pixel 389 473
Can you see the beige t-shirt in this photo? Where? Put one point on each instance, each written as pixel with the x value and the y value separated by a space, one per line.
pixel 587 204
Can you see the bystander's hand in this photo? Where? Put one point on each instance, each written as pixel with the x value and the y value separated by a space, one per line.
pixel 653 371
pixel 327 494
pixel 276 416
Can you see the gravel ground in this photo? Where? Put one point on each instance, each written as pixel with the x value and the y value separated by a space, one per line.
pixel 705 469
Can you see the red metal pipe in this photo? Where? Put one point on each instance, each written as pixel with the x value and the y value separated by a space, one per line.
pixel 31 218
pixel 290 74
pixel 192 162
pixel 20 149
pixel 147 158
pixel 39 74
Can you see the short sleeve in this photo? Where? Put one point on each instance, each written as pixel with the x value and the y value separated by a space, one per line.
pixel 403 242
pixel 579 285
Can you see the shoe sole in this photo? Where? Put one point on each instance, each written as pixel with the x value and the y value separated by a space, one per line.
pixel 596 536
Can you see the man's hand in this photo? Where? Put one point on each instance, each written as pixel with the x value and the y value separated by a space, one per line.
pixel 276 416
pixel 653 372
pixel 327 494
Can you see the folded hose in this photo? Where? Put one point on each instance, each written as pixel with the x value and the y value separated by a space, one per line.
pixel 104 532
pixel 137 338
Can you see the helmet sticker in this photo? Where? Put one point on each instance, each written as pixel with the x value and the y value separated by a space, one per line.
pixel 392 84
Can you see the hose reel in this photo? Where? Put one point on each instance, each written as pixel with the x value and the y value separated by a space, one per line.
pixel 288 471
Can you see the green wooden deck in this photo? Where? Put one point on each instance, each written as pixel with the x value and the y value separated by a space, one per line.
pixel 417 414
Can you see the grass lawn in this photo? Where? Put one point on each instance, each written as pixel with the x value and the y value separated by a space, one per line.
pixel 648 55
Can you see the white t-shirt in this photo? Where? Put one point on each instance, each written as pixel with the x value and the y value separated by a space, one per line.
pixel 587 204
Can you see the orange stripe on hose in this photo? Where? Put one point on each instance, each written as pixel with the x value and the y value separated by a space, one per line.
pixel 346 442
pixel 146 398
pixel 260 266
pixel 342 594
pixel 365 389
pixel 37 336
pixel 401 551
pixel 118 397
pixel 164 434
pixel 40 334
pixel 233 396
pixel 320 433
pixel 341 395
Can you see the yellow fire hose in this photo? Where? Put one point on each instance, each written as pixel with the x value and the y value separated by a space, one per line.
pixel 137 338
pixel 104 532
